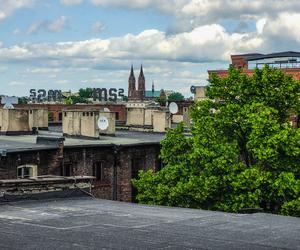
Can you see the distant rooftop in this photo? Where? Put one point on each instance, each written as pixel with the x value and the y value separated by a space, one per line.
pixel 149 93
pixel 28 142
pixel 258 56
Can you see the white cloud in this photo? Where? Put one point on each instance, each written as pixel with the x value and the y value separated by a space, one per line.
pixel 7 7
pixel 58 24
pixel 98 27
pixel 70 2
pixel 43 70
pixel 16 83
pixel 50 26
pixel 208 9
pixel 63 81
pixel 3 68
pixel 204 43
pixel 16 31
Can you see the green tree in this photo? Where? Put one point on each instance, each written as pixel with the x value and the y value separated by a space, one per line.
pixel 23 100
pixel 86 93
pixel 175 97
pixel 162 101
pixel 76 99
pixel 243 152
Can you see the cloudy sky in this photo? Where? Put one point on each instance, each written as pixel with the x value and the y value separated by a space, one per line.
pixel 69 44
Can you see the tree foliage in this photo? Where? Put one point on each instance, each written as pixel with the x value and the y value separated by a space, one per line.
pixel 86 93
pixel 243 151
pixel 76 99
pixel 175 97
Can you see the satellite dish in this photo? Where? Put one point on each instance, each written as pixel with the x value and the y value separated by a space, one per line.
pixel 173 107
pixel 9 101
pixel 193 89
pixel 102 123
pixel 106 110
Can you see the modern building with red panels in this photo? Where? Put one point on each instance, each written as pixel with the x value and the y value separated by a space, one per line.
pixel 288 61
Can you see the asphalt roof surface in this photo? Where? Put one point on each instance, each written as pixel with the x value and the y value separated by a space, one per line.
pixel 86 223
pixel 28 142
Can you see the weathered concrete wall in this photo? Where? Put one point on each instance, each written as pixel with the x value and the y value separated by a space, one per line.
pixel 56 110
pixel 84 123
pixel 161 121
pixel 38 118
pixel 135 116
pixel 200 93
pixel 111 117
pixel 88 125
pixel 14 120
pixel 149 116
pixel 177 118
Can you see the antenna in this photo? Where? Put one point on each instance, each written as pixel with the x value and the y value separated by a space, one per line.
pixel 173 107
pixel 102 123
pixel 8 101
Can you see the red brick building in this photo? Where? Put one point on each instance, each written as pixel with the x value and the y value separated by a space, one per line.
pixel 113 162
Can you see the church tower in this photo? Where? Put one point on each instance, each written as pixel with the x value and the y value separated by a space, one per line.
pixel 141 84
pixel 131 84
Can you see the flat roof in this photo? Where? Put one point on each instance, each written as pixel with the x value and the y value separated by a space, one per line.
pixel 21 143
pixel 257 56
pixel 86 223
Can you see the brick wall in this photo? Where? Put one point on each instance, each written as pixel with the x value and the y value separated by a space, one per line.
pixel 117 166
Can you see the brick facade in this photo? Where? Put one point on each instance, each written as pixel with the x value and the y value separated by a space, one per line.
pixel 118 165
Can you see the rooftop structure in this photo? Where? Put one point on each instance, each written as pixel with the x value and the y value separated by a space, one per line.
pixel 86 223
pixel 288 61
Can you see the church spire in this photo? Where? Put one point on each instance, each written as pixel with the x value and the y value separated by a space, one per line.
pixel 141 71
pixel 131 84
pixel 131 71
pixel 152 88
pixel 141 84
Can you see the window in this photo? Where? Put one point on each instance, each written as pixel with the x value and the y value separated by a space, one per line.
pixel 60 116
pixel 83 113
pixel 98 170
pixel 66 170
pixel 26 171
pixel 117 115
pixel 50 116
pixel 65 114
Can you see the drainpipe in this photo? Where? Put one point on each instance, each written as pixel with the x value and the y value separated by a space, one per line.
pixel 116 149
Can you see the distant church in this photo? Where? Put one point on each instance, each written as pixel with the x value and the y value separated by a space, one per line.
pixel 140 93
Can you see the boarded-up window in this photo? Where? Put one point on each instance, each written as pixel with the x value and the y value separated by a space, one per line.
pixel 98 170
pixel 66 170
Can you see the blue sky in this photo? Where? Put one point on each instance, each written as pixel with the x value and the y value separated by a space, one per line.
pixel 69 44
